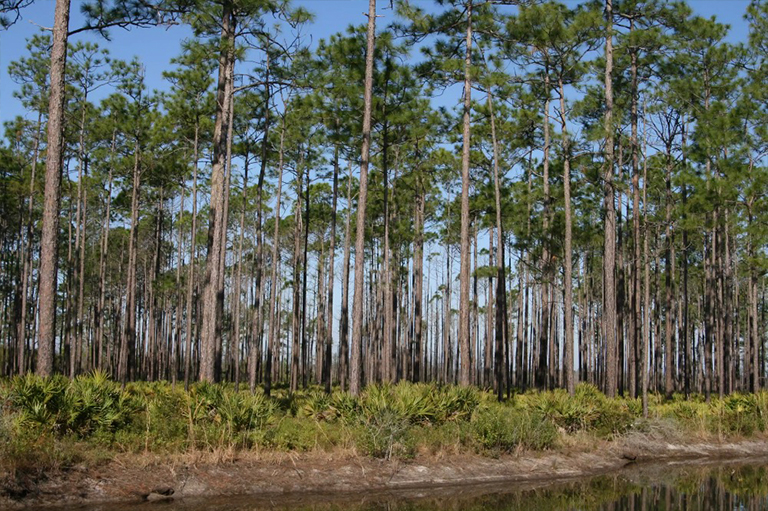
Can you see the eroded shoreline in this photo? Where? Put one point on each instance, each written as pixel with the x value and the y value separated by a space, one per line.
pixel 133 479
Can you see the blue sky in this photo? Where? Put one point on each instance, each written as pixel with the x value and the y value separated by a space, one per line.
pixel 156 46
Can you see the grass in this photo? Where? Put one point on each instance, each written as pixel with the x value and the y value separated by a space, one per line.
pixel 56 422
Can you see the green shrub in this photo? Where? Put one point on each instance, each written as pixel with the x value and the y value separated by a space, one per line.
pixel 94 403
pixel 504 429
pixel 291 434
pixel 385 434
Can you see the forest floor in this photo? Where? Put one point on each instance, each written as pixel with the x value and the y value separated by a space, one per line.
pixel 294 478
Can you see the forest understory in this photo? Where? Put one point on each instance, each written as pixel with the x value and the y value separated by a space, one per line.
pixel 89 439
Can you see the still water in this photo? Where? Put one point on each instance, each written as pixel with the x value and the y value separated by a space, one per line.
pixel 731 486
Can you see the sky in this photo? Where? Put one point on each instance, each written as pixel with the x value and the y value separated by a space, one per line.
pixel 156 46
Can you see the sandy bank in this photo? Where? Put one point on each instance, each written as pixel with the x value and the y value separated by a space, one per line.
pixel 138 478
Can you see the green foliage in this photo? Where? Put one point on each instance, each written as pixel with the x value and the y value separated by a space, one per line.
pixel 48 422
pixel 500 428
pixel 588 410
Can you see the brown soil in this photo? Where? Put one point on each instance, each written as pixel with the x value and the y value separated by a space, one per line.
pixel 140 478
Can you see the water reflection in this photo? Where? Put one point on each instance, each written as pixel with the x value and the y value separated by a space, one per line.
pixel 643 488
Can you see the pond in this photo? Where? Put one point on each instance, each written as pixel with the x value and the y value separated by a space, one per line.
pixel 680 486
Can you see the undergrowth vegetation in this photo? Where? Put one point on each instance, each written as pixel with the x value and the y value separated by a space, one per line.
pixel 55 421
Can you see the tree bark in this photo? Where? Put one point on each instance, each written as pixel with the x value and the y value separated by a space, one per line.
pixel 126 366
pixel 191 266
pixel 609 256
pixel 212 299
pixel 568 372
pixel 464 333
pixel 344 319
pixel 274 300
pixel 501 291
pixel 100 312
pixel 328 354
pixel 355 375
pixel 53 166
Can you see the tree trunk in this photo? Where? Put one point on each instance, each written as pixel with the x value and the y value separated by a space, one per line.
pixel 669 258
pixel 501 291
pixel 212 299
pixel 355 375
pixel 570 383
pixel 635 314
pixel 21 339
pixel 128 343
pixel 542 381
pixel 464 335
pixel 328 355
pixel 53 166
pixel 100 312
pixel 418 282
pixel 191 268
pixel 296 345
pixel 239 280
pixel 609 257
pixel 344 319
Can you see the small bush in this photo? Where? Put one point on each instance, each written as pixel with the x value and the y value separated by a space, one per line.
pixel 385 434
pixel 504 429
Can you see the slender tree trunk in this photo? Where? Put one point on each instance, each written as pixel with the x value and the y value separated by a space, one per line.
pixel 669 259
pixel 53 166
pixel 355 375
pixel 609 256
pixel 274 300
pixel 220 285
pixel 501 291
pixel 126 366
pixel 635 315
pixel 570 383
pixel 305 267
pixel 646 330
pixel 542 380
pixel 176 346
pixel 100 313
pixel 21 339
pixel 344 319
pixel 212 299
pixel 239 280
pixel 191 266
pixel 296 344
pixel 418 281
pixel 320 318
pixel 328 354
pixel 464 276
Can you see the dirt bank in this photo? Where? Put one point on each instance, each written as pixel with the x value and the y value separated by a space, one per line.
pixel 138 478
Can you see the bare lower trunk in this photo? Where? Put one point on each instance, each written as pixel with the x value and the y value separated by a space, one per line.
pixel 464 276
pixel 344 319
pixel 239 281
pixel 609 255
pixel 542 380
pixel 21 338
pixel 128 342
pixel 501 292
pixel 418 283
pixel 274 302
pixel 567 249
pixel 100 313
pixel 191 269
pixel 355 374
pixel 212 300
pixel 53 165
pixel 328 353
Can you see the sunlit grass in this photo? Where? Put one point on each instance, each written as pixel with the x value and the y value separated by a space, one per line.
pixel 55 421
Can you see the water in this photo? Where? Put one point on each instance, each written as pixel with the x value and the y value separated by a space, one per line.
pixel 689 487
